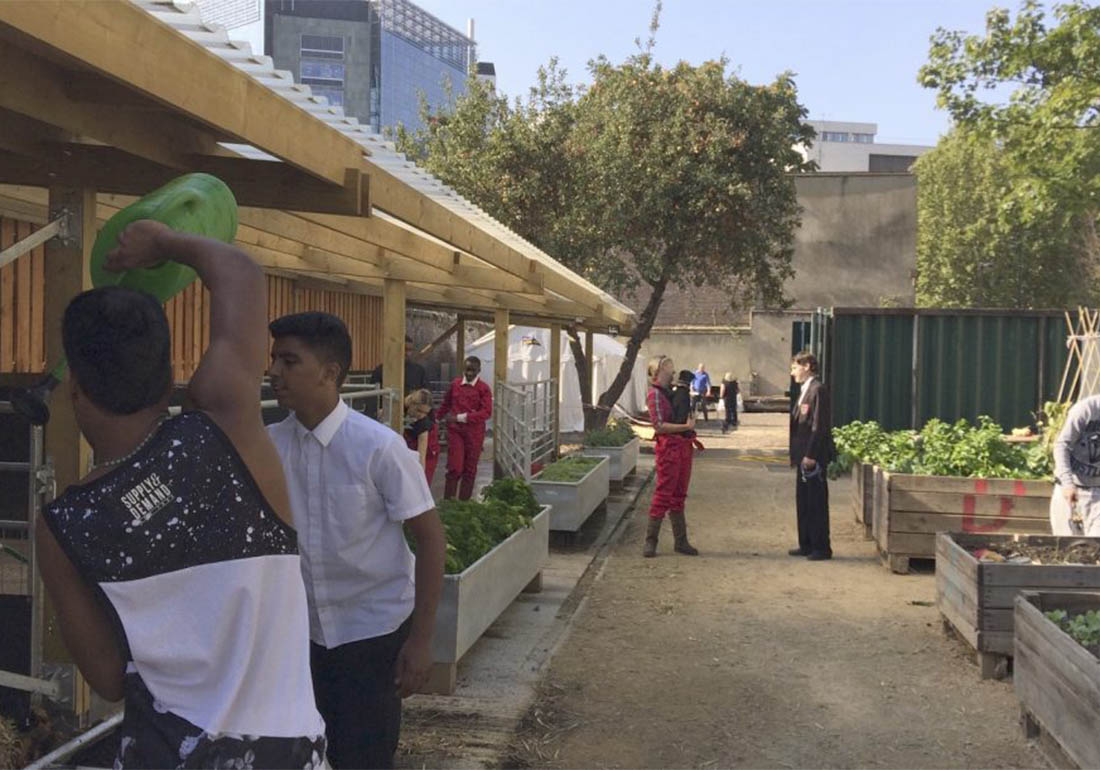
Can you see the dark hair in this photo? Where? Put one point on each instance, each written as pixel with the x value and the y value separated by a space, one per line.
pixel 686 376
pixel 806 358
pixel 323 333
pixel 119 348
pixel 475 359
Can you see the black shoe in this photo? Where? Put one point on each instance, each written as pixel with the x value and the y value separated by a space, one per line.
pixel 820 556
pixel 797 552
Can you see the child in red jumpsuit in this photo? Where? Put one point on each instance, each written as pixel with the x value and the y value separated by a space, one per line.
pixel 466 406
pixel 673 461
pixel 422 431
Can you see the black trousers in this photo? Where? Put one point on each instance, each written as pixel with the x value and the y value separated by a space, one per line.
pixel 731 414
pixel 812 504
pixel 699 401
pixel 355 693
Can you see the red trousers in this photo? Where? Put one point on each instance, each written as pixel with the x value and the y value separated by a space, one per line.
pixel 464 444
pixel 674 457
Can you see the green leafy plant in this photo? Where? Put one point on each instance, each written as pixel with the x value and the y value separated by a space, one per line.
pixel 615 434
pixel 946 449
pixel 474 528
pixel 572 468
pixel 514 492
pixel 1084 628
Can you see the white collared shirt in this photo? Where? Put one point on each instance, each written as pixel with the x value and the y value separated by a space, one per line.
pixel 805 387
pixel 352 482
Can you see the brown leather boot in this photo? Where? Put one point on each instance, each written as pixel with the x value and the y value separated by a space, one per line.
pixel 680 534
pixel 653 528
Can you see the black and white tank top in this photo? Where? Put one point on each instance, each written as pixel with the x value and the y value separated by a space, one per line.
pixel 204 582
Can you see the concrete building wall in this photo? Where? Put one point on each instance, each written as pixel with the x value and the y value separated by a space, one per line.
pixel 286 49
pixel 857 246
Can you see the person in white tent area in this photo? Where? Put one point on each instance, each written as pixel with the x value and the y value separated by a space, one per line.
pixel 1075 504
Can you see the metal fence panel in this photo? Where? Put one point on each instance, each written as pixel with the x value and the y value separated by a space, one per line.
pixel 903 368
pixel 870 372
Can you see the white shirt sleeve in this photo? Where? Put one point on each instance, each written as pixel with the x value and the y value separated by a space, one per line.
pixel 396 473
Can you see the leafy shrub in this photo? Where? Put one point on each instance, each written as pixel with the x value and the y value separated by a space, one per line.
pixel 615 433
pixel 572 468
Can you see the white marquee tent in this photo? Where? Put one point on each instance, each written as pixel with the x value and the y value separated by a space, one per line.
pixel 529 361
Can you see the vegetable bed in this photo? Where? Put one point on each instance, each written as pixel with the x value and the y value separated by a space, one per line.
pixel 909 510
pixel 619 444
pixel 1056 676
pixel 946 477
pixel 575 486
pixel 979 576
pixel 483 580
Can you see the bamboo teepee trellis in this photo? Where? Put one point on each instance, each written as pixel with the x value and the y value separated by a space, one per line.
pixel 1082 374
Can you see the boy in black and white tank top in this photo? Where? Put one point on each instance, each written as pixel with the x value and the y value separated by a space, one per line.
pixel 174 572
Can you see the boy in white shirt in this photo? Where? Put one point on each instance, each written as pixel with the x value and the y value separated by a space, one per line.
pixel 354 486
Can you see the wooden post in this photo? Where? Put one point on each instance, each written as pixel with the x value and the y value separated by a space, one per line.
pixel 460 346
pixel 589 354
pixel 67 274
pixel 555 373
pixel 393 345
pixel 500 374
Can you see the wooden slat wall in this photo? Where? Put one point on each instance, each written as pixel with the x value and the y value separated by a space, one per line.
pixel 189 318
pixel 22 341
pixel 22 283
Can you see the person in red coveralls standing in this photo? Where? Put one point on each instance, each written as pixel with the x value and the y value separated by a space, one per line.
pixel 673 460
pixel 467 405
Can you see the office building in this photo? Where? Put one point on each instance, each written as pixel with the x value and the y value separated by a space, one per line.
pixel 372 57
pixel 851 147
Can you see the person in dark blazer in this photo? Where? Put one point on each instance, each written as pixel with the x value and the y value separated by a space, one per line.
pixel 811 450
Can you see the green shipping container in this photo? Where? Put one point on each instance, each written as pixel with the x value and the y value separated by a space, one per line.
pixel 904 367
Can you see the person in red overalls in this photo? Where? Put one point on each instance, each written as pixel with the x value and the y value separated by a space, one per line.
pixel 673 461
pixel 421 430
pixel 466 406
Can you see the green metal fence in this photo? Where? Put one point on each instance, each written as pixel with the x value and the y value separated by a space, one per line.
pixel 904 367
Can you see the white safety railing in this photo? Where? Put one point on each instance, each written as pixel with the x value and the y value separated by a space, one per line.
pixel 525 418
pixel 359 398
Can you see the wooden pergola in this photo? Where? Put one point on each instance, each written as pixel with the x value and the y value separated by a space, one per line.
pixel 104 100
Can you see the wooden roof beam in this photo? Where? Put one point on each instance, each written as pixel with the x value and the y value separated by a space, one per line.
pixel 121 41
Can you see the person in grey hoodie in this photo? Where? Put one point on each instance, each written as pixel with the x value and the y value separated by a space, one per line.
pixel 1075 504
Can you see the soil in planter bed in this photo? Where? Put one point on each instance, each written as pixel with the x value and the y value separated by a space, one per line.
pixel 1082 551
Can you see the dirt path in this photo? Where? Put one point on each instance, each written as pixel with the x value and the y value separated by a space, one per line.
pixel 748 657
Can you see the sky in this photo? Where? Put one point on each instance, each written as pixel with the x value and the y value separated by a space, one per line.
pixel 854 60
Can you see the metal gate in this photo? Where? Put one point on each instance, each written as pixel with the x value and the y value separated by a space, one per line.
pixel 26 483
pixel 525 426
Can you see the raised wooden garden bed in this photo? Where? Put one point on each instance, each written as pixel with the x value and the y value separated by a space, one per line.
pixel 474 598
pixel 624 459
pixel 977 597
pixel 1057 680
pixel 863 489
pixel 910 510
pixel 574 501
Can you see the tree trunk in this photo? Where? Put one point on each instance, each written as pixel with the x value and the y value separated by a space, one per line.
pixel 580 361
pixel 607 399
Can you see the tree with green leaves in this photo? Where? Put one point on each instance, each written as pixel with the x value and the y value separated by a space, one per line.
pixel 1027 93
pixel 650 176
pixel 980 243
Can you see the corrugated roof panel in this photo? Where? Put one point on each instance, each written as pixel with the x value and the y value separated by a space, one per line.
pixel 185 17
